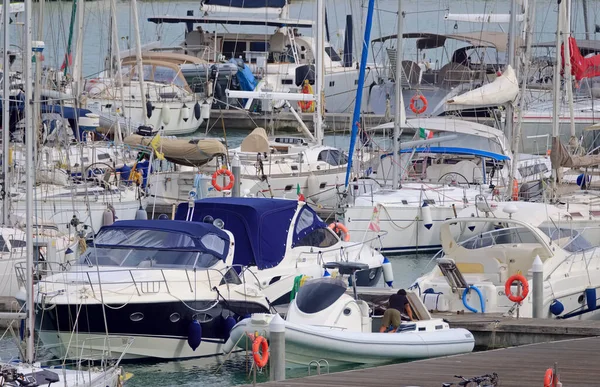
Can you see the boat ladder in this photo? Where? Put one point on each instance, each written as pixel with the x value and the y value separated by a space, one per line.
pixel 452 273
pixel 317 364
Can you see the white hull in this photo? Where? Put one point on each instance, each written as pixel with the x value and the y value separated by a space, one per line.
pixel 73 377
pixel 143 347
pixel 307 343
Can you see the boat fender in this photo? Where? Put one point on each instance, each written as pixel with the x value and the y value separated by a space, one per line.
pixel 185 113
pixel 338 227
pixel 228 324
pixel 260 345
pixel 524 284
pixel 426 216
pixel 590 297
pixel 149 109
pixel 313 189
pixel 556 307
pixel 141 214
pixel 464 299
pixel 194 335
pixel 205 111
pixel 166 114
pixel 107 218
pixel 388 273
pixel 197 111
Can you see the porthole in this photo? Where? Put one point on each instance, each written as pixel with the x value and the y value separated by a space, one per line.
pixel 347 312
pixel 202 317
pixel 137 316
pixel 174 317
pixel 580 299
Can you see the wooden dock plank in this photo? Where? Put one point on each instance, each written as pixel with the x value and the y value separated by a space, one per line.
pixel 517 366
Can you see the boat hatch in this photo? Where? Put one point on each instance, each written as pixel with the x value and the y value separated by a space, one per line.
pixel 318 294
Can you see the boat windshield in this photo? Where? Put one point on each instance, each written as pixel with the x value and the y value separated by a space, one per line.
pixel 154 248
pixel 318 294
pixel 569 239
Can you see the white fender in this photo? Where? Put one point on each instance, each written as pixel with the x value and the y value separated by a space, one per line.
pixel 166 114
pixel 185 113
pixel 205 111
pixel 426 216
pixel 313 188
pixel 388 273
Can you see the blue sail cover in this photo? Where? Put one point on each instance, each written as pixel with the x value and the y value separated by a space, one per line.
pixel 247 3
pixel 165 235
pixel 260 226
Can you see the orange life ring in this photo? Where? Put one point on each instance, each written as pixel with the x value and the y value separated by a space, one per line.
pixel 218 173
pixel 413 107
pixel 260 359
pixel 337 227
pixel 549 380
pixel 524 284
pixel 306 106
pixel 515 190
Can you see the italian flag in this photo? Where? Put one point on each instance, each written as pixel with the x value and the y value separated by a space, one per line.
pixel 425 134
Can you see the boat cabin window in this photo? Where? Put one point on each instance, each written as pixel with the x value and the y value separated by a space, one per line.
pixel 156 73
pixel 332 54
pixel 318 294
pixel 233 49
pixel 3 246
pixel 333 157
pixel 154 248
pixel 321 237
pixel 531 170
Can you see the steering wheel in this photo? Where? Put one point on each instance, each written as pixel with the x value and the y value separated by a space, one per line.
pixel 108 176
pixel 451 178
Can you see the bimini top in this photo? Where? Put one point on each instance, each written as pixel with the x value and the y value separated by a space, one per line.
pixel 164 235
pixel 260 225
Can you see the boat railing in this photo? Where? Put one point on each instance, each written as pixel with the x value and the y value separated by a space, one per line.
pixel 344 251
pixel 45 273
pixel 102 349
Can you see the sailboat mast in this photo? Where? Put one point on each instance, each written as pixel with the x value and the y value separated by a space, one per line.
pixel 512 37
pixel 568 75
pixel 29 176
pixel 77 70
pixel 138 57
pixel 359 90
pixel 117 54
pixel 400 113
pixel 5 112
pixel 556 88
pixel 320 51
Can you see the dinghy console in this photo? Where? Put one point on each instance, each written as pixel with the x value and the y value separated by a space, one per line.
pixel 324 302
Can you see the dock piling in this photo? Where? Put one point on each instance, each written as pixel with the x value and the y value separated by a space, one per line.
pixel 277 348
pixel 235 168
pixel 537 293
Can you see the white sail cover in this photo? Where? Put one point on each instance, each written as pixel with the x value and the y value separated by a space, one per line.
pixel 503 89
pixel 481 17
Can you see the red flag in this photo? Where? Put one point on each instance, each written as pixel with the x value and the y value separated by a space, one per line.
pixel 70 59
pixel 374 223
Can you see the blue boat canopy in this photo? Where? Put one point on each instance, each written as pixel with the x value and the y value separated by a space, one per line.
pixel 247 3
pixel 454 151
pixel 260 225
pixel 164 235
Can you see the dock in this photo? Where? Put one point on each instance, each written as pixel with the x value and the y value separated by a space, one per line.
pixel 493 330
pixel 517 366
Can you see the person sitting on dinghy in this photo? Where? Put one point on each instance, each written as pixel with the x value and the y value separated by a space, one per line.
pixel 398 310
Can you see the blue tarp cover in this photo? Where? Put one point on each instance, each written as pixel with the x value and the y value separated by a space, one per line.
pixel 260 225
pixel 161 234
pixel 454 151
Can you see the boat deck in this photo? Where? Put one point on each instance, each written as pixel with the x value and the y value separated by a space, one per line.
pixel 516 366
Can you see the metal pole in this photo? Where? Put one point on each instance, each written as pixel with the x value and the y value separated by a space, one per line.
pixel 585 19
pixel 236 169
pixel 320 69
pixel 556 89
pixel 138 57
pixel 568 76
pixel 399 114
pixel 512 37
pixel 29 176
pixel 117 56
pixel 277 348
pixel 6 112
pixel 537 292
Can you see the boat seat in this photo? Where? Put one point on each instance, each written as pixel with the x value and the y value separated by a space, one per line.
pixel 453 74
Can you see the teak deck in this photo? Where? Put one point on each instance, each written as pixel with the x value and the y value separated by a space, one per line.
pixel 517 366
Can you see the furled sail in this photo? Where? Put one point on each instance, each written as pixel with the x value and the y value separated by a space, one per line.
pixel 247 3
pixel 582 67
pixel 193 153
pixel 560 157
pixel 503 89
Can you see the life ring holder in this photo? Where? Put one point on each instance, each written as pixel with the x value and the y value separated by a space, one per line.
pixel 516 278
pixel 337 227
pixel 220 172
pixel 413 106
pixel 260 343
